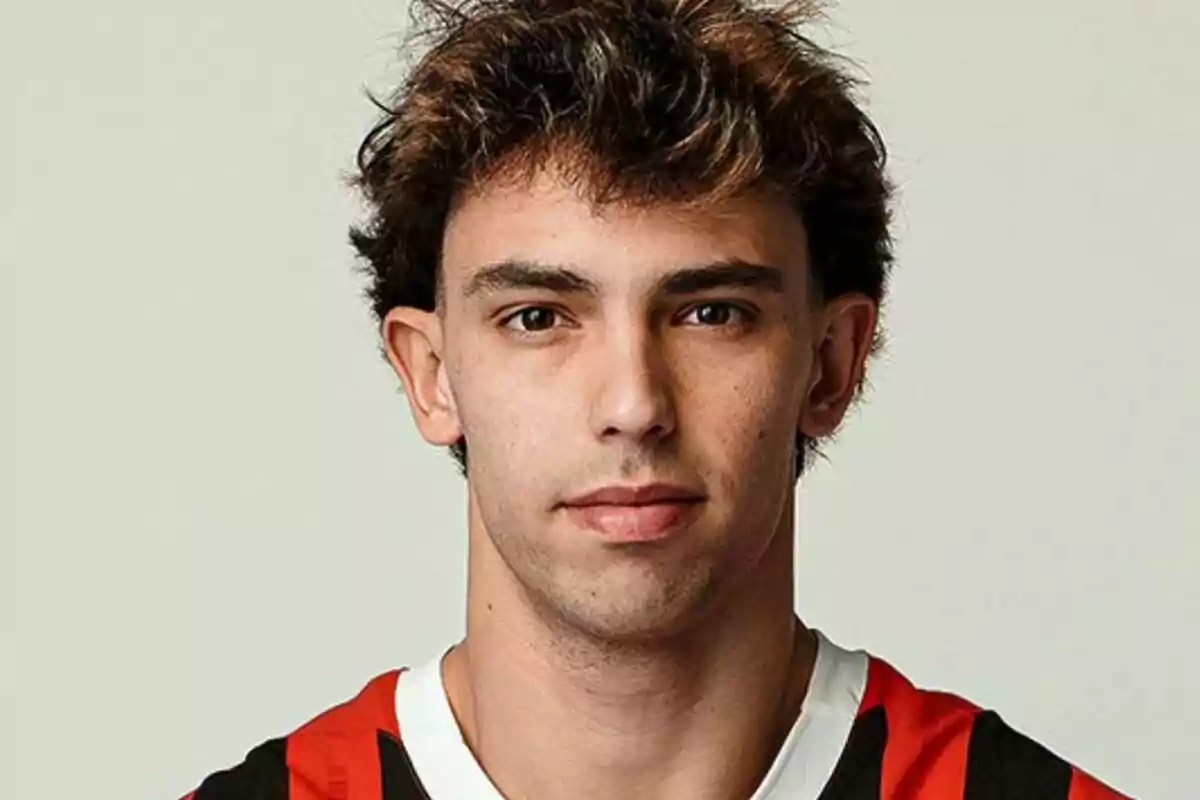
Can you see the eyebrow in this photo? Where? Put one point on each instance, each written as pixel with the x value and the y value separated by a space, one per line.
pixel 528 275
pixel 722 275
pixel 517 274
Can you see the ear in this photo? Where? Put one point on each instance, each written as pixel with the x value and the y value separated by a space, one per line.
pixel 844 333
pixel 412 339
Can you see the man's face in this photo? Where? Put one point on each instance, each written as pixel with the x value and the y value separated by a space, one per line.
pixel 587 348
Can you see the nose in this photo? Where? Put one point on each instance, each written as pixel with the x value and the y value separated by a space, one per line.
pixel 634 397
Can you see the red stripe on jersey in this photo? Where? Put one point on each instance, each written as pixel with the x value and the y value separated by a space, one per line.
pixel 336 755
pixel 1085 787
pixel 928 734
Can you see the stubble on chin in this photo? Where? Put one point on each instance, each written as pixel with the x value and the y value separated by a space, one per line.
pixel 626 604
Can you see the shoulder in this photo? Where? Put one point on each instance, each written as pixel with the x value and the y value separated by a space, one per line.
pixel 337 754
pixel 920 743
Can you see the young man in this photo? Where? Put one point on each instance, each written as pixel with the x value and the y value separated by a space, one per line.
pixel 627 256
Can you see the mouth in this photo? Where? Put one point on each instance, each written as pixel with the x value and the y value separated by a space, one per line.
pixel 626 514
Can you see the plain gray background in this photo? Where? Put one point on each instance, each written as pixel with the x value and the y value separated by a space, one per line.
pixel 218 518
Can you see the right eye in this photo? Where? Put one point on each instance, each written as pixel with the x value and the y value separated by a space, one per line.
pixel 531 319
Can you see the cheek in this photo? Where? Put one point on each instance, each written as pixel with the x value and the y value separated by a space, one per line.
pixel 509 422
pixel 750 408
pixel 502 465
pixel 753 448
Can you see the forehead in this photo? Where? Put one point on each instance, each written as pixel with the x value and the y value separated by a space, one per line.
pixel 548 220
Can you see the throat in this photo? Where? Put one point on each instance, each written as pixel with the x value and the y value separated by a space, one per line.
pixel 650 725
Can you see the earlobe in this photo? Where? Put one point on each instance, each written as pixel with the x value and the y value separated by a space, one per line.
pixel 412 339
pixel 846 333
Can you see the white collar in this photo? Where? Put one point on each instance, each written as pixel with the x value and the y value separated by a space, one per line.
pixel 448 770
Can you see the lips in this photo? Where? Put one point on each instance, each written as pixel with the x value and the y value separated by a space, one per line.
pixel 643 513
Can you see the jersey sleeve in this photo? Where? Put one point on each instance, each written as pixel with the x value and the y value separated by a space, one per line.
pixel 1085 787
pixel 932 745
pixel 345 753
pixel 262 775
pixel 1005 764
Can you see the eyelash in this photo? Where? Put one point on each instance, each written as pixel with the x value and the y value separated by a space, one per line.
pixel 747 313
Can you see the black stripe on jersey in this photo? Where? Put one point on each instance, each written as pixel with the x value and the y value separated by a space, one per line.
pixel 398 776
pixel 1003 764
pixel 263 775
pixel 859 770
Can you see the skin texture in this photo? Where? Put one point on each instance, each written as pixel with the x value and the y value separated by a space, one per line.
pixel 594 668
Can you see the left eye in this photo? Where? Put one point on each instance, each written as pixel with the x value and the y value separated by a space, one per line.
pixel 715 314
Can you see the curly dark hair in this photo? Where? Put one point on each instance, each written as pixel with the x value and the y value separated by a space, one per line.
pixel 641 101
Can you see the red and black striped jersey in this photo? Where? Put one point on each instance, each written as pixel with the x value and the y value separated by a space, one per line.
pixel 905 743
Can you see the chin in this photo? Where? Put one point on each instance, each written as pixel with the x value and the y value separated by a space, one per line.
pixel 631 612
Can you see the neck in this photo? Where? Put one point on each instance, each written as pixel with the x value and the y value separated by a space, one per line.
pixel 702 715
